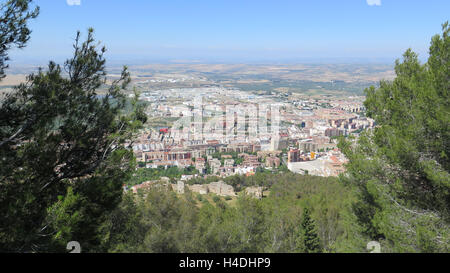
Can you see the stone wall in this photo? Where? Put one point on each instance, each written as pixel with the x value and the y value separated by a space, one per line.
pixel 256 192
pixel 219 188
pixel 222 189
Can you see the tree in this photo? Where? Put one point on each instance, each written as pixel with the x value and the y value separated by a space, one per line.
pixel 308 241
pixel 14 31
pixel 64 151
pixel 124 231
pixel 401 168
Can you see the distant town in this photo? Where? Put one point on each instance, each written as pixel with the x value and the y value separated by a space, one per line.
pixel 193 128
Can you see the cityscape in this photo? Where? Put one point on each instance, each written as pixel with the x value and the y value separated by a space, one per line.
pixel 302 135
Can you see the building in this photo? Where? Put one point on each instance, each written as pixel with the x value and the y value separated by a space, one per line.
pixel 307 147
pixel 333 132
pixel 278 143
pixel 272 162
pixel 228 163
pixel 200 165
pixel 293 155
pixel 165 155
pixel 215 166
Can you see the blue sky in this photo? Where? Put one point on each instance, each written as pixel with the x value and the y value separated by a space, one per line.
pixel 239 30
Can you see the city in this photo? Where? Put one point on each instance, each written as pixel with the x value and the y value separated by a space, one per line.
pixel 224 132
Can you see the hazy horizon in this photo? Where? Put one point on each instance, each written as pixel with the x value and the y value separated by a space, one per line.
pixel 137 32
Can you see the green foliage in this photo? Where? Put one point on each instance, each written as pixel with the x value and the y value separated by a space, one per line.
pixel 159 222
pixel 308 240
pixel 144 174
pixel 201 180
pixel 14 31
pixel 56 133
pixel 165 222
pixel 199 197
pixel 235 156
pixel 401 168
pixel 63 216
pixel 264 178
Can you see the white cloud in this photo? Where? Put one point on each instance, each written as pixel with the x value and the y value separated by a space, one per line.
pixel 374 2
pixel 73 2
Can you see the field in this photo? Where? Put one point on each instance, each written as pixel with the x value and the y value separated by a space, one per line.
pixel 307 79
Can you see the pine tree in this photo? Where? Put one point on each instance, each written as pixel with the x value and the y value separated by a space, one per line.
pixel 14 31
pixel 308 240
pixel 64 152
pixel 401 168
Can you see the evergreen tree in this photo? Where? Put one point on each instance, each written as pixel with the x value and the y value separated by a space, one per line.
pixel 64 152
pixel 14 31
pixel 308 240
pixel 401 168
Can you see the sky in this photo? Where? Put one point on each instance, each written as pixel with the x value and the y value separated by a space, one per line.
pixel 238 30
